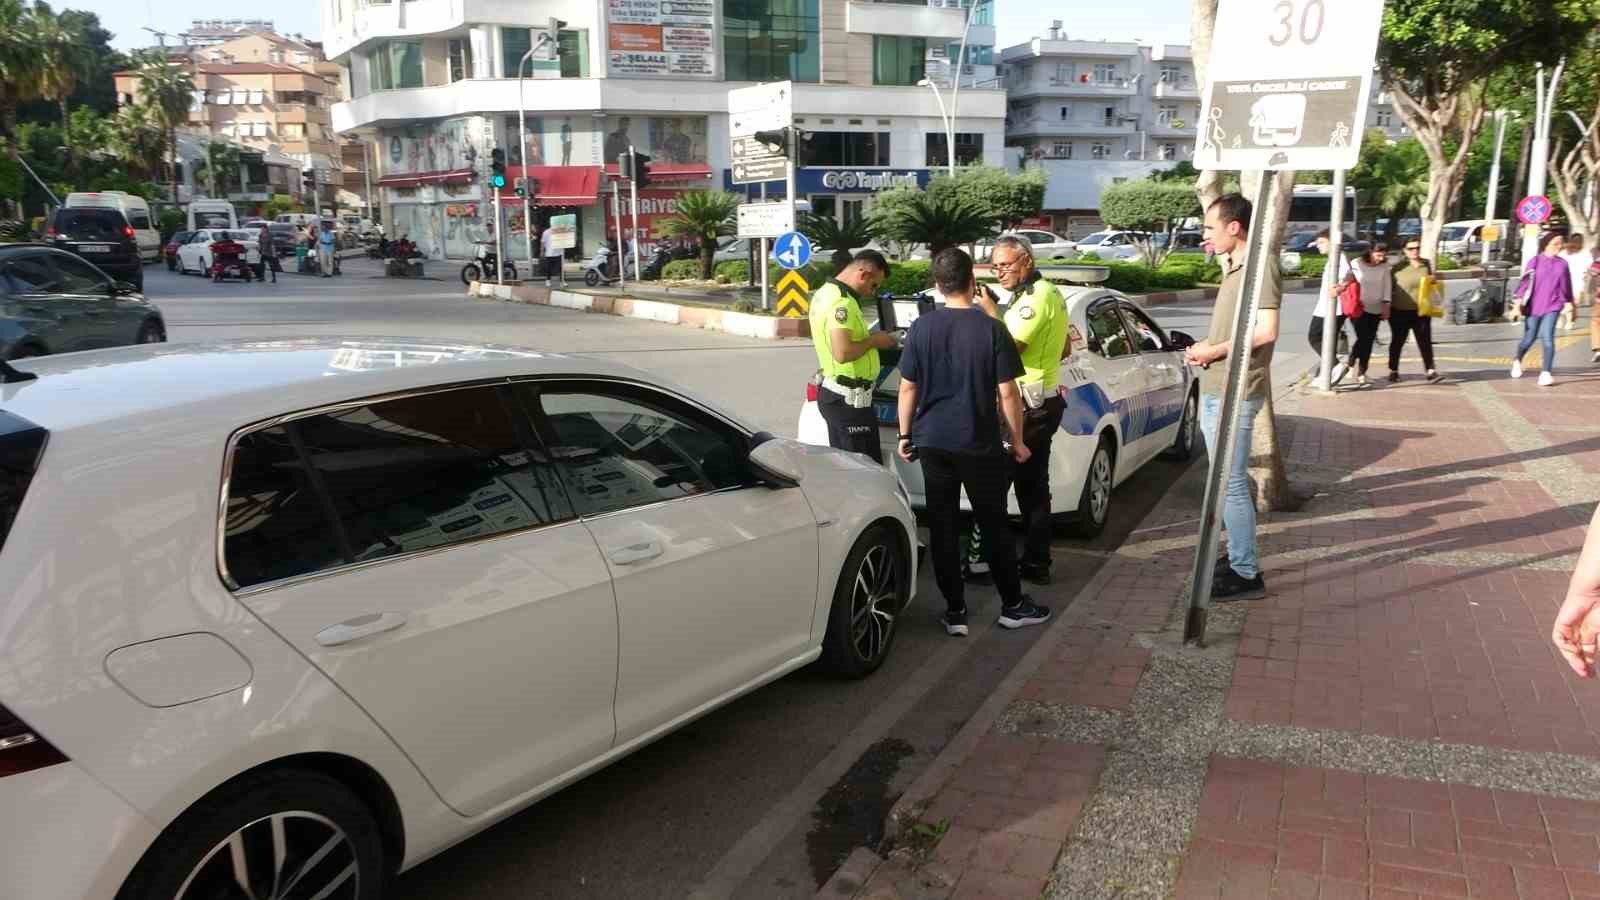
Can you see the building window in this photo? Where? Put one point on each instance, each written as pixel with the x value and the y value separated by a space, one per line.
pixel 846 148
pixel 1384 118
pixel 1066 111
pixel 770 40
pixel 977 54
pixel 574 49
pixel 460 59
pixel 983 15
pixel 1063 74
pixel 1166 114
pixel 898 60
pixel 1110 113
pixel 396 64
pixel 292 131
pixel 1061 149
pixel 1168 151
pixel 514 42
pixel 969 149
pixel 1170 73
pixel 275 56
pixel 1105 73
pixel 1099 151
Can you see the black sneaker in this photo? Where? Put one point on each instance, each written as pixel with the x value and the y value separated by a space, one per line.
pixel 1024 614
pixel 1037 573
pixel 955 624
pixel 1222 565
pixel 1230 586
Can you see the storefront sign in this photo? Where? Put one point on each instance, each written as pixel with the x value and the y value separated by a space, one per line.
pixel 843 181
pixel 655 207
pixel 868 181
pixel 660 37
pixel 565 229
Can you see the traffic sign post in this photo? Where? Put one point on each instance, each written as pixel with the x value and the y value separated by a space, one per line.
pixel 791 250
pixel 753 161
pixel 764 220
pixel 1534 210
pixel 751 111
pixel 1288 89
pixel 794 296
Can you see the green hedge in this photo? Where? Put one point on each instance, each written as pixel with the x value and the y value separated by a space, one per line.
pixel 681 270
pixel 815 272
pixel 908 277
pixel 1195 267
pixel 1312 266
pixel 1446 264
pixel 735 271
pixel 1129 278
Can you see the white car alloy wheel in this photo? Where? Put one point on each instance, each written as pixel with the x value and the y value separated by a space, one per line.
pixel 872 603
pixel 1188 430
pixel 1094 504
pixel 287 854
pixel 866 603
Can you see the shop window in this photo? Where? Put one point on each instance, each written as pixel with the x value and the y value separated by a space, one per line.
pixel 1099 151
pixel 898 60
pixel 460 59
pixel 770 40
pixel 969 149
pixel 1061 150
pixel 396 64
pixel 574 48
pixel 846 148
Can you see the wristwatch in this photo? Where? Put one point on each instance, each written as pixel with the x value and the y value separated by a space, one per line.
pixel 903 437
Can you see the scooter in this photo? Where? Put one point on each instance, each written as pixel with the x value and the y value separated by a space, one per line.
pixel 658 262
pixel 484 263
pixel 598 270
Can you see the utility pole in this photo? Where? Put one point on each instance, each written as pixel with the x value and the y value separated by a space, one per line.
pixel 1330 277
pixel 1539 162
pixel 633 191
pixel 1500 117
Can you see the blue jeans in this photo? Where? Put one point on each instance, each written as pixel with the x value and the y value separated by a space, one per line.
pixel 1542 328
pixel 1238 510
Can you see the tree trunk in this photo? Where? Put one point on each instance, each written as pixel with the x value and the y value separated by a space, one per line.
pixel 1274 492
pixel 172 151
pixel 708 250
pixel 1437 121
pixel 66 135
pixel 1202 25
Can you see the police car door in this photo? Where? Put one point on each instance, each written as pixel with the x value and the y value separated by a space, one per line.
pixel 1164 383
pixel 1115 368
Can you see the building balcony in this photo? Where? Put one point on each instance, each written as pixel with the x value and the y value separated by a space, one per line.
pixel 866 17
pixel 300 113
pixel 252 193
pixel 1088 128
pixel 378 21
pixel 1071 87
pixel 1044 48
pixel 1182 89
pixel 1164 52
pixel 1179 128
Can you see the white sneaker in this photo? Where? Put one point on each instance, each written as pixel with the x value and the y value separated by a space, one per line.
pixel 1516 370
pixel 1337 375
pixel 1545 379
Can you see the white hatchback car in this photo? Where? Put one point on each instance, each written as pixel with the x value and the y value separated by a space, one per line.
pixel 281 619
pixel 195 254
pixel 1129 399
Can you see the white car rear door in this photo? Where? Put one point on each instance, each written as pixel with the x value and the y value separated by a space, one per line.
pixel 1115 369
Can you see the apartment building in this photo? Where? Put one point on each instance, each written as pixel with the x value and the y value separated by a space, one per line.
pixel 1095 113
pixel 436 82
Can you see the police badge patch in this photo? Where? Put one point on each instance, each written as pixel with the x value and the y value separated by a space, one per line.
pixel 1025 312
pixel 841 315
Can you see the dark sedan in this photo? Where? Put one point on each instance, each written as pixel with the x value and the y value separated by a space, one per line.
pixel 52 301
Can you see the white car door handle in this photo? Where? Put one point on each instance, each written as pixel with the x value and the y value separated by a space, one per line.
pixel 636 553
pixel 360 627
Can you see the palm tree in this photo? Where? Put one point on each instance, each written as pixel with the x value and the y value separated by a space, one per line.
pixel 703 216
pixel 138 138
pixel 827 234
pixel 61 48
pixel 21 66
pixel 169 91
pixel 221 158
pixel 941 221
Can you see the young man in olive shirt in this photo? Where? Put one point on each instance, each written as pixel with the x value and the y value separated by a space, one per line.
pixel 1227 227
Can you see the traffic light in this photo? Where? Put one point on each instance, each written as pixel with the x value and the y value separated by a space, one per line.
pixel 777 140
pixel 639 168
pixel 532 186
pixel 309 177
pixel 522 189
pixel 497 168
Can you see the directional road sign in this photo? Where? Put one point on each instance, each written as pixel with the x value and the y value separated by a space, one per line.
pixel 767 168
pixel 794 296
pixel 764 107
pixel 759 220
pixel 1288 84
pixel 791 250
pixel 1534 210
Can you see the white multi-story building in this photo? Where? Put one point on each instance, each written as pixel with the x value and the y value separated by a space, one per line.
pixel 1095 113
pixel 433 82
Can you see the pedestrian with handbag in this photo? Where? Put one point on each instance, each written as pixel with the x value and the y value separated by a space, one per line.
pixel 1365 297
pixel 1545 290
pixel 1411 310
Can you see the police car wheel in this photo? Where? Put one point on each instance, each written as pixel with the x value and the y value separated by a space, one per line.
pixel 866 605
pixel 1188 429
pixel 1094 504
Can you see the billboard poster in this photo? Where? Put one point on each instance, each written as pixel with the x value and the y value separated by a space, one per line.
pixel 668 139
pixel 661 37
pixel 433 147
pixel 565 228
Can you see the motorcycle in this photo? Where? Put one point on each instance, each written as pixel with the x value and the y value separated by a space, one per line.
pixel 227 257
pixel 597 270
pixel 658 262
pixel 484 263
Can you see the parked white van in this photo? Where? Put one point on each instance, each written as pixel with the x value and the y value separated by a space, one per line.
pixel 1464 239
pixel 134 209
pixel 299 220
pixel 205 213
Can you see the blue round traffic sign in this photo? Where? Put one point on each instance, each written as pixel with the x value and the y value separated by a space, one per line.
pixel 791 250
pixel 1534 210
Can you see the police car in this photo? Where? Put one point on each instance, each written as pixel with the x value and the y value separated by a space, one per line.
pixel 1129 398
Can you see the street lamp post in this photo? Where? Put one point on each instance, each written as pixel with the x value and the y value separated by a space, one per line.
pixel 1500 118
pixel 955 84
pixel 522 126
pixel 949 128
pixel 1540 160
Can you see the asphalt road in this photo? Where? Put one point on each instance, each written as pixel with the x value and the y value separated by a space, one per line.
pixel 764 797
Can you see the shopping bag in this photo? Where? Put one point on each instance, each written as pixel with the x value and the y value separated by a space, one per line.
pixel 1430 297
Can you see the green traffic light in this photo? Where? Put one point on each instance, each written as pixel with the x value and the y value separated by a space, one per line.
pixel 498 181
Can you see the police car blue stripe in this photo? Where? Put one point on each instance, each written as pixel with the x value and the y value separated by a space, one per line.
pixel 1138 416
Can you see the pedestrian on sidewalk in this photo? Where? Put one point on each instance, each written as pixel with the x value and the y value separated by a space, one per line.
pixel 269 253
pixel 1405 315
pixel 1227 226
pixel 552 256
pixel 1579 261
pixel 1314 333
pixel 1372 272
pixel 1545 290
pixel 326 242
pixel 958 398
pixel 1577 629
pixel 1037 321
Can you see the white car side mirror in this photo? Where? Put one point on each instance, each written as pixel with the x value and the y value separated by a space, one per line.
pixel 773 458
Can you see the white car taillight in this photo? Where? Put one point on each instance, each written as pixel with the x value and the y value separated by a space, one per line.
pixel 22 749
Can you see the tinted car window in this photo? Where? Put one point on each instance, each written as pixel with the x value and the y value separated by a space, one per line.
pixel 180 237
pixel 30 274
pixel 211 219
pixel 77 276
pixel 139 219
pixel 82 224
pixel 628 448
pixel 276 527
pixel 1147 335
pixel 1106 326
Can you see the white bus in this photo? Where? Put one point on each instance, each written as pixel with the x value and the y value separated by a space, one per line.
pixel 1312 208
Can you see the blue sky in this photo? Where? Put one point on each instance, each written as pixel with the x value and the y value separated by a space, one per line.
pixel 1152 21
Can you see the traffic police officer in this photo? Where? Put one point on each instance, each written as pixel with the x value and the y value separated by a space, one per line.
pixel 847 354
pixel 1037 321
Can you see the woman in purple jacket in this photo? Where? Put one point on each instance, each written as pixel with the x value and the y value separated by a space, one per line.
pixel 1546 287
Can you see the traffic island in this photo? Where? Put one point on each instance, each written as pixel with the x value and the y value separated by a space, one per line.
pixel 703 316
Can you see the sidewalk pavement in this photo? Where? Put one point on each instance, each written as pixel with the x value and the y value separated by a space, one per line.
pixel 1390 722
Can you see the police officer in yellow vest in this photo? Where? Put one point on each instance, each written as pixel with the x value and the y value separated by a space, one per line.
pixel 847 353
pixel 1037 320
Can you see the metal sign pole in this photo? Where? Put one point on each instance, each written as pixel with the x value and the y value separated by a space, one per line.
pixel 499 253
pixel 793 148
pixel 1244 327
pixel 633 191
pixel 616 215
pixel 761 260
pixel 1330 277
pixel 527 195
pixel 1500 119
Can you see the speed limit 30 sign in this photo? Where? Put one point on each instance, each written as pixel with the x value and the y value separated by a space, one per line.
pixel 1288 84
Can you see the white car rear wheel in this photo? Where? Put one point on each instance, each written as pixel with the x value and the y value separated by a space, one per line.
pixel 1094 503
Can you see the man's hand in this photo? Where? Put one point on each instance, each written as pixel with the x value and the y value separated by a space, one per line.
pixel 1020 452
pixel 883 340
pixel 904 449
pixel 1203 353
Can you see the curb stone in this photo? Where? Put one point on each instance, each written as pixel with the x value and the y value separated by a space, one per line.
pixel 770 328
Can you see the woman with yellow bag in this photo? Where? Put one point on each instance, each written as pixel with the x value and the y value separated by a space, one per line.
pixel 1418 298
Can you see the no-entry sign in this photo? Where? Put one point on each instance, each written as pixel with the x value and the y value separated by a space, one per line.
pixel 1534 210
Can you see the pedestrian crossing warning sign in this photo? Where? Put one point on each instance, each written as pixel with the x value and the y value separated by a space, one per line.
pixel 794 295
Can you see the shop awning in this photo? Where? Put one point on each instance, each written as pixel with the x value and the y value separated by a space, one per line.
pixel 415 179
pixel 675 172
pixel 558 185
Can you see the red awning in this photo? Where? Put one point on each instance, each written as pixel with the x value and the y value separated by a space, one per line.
pixel 558 185
pixel 663 172
pixel 454 176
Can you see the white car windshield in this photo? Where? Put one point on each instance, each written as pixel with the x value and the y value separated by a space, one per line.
pixel 1093 239
pixel 1455 233
pixel 210 219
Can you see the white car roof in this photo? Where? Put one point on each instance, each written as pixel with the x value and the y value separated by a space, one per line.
pixel 239 382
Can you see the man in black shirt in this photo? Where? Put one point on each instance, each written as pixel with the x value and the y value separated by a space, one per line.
pixel 958 373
